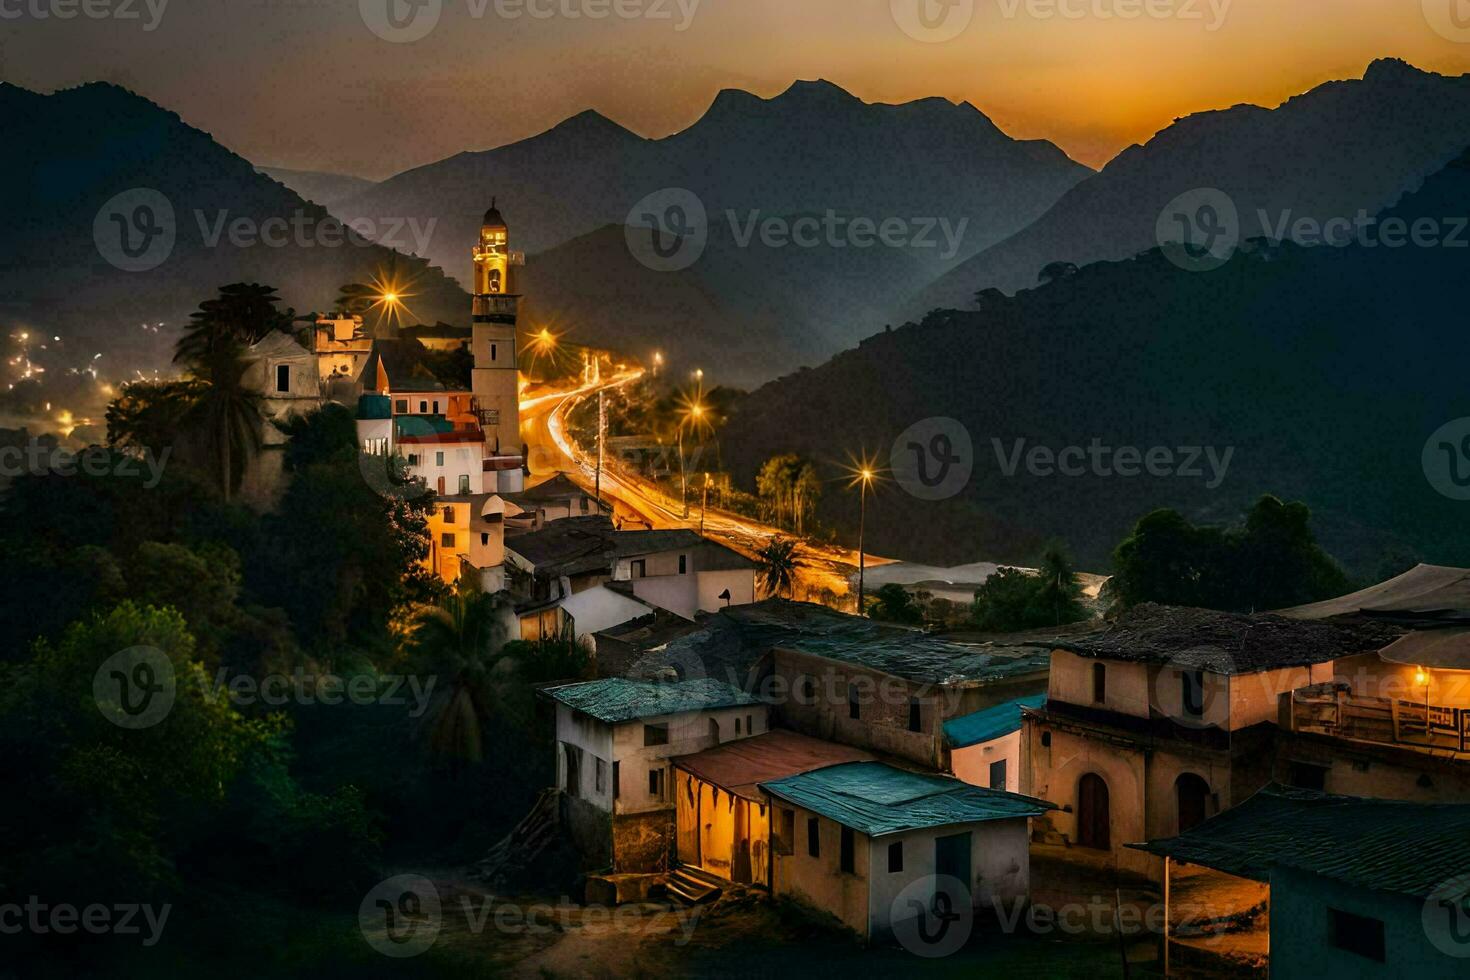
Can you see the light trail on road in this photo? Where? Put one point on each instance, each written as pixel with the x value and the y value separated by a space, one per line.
pixel 553 450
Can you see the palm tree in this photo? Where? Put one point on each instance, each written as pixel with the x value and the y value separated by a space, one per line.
pixel 227 414
pixel 776 564
pixel 461 640
pixel 241 315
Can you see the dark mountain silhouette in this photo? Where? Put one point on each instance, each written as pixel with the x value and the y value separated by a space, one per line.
pixel 812 149
pixel 1341 147
pixel 746 315
pixel 73 151
pixel 321 188
pixel 1326 369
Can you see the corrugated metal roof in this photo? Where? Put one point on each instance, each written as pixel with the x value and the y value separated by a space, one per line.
pixel 1427 592
pixel 878 799
pixel 1442 649
pixel 741 766
pixel 991 723
pixel 1383 845
pixel 617 699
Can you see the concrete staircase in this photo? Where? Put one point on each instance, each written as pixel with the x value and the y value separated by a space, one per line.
pixel 692 886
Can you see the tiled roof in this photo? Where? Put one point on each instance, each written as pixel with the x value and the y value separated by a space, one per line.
pixel 616 699
pixel 1384 845
pixel 736 638
pixel 991 723
pixel 1227 643
pixel 878 799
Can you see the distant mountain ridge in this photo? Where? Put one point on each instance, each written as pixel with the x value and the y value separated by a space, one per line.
pixel 1321 371
pixel 1341 147
pixel 321 188
pixel 71 153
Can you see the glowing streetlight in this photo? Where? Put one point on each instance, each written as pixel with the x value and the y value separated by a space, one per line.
pixel 694 415
pixel 863 477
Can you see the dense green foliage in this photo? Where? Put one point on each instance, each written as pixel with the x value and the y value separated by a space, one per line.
pixel 1271 561
pixel 1012 600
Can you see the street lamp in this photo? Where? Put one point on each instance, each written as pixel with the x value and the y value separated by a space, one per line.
pixel 863 478
pixel 693 416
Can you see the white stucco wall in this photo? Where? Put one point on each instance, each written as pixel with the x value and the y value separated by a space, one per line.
pixel 595 739
pixel 1301 929
pixel 1000 868
pixel 688 733
pixel 600 608
pixel 740 582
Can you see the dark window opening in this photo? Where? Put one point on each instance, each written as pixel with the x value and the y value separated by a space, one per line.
pixel 786 832
pixel 1194 692
pixel 1304 775
pixel 895 857
pixel 854 710
pixel 813 838
pixel 1099 683
pixel 1358 934
pixel 1046 740
pixel 283 377
pixel 617 781
pixel 656 734
pixel 916 721
pixel 998 775
pixel 656 783
pixel 683 564
pixel 849 848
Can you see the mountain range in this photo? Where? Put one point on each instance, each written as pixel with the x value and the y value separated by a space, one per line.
pixel 1341 148
pixel 97 172
pixel 1319 374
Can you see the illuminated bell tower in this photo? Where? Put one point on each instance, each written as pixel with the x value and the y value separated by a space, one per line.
pixel 496 307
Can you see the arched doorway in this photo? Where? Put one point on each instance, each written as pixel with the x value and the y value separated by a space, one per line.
pixel 1193 794
pixel 1094 821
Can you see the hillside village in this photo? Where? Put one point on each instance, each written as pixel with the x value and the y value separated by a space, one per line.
pixel 1293 788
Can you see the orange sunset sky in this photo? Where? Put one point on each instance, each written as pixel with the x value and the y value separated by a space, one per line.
pixel 305 84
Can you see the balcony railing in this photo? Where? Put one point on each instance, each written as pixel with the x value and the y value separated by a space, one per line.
pixel 1333 710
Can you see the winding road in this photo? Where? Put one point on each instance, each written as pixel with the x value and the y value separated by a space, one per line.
pixel 552 450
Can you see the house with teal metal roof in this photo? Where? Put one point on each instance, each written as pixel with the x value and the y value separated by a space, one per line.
pixel 985 746
pixel 616 740
pixel 1351 887
pixel 878 846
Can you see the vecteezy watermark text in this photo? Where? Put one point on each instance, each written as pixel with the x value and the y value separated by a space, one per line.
pixel 125 10
pixel 839 231
pixel 37 458
pixel 406 21
pixel 1101 460
pixel 62 919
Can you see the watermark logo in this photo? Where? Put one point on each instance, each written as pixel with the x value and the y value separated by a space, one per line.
pixel 135 231
pixel 668 230
pixel 401 21
pixel 933 21
pixel 1446 917
pixel 401 917
pixel 1193 688
pixel 1199 230
pixel 1450 19
pixel 1365 230
pixel 40 458
pixel 1446 460
pixel 933 459
pixel 933 917
pixel 135 688
pixel 126 10
pixel 1098 459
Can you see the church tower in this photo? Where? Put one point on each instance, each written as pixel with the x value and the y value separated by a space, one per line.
pixel 496 307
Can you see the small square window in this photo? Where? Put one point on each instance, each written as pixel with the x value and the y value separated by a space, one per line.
pixel 1358 934
pixel 656 734
pixel 785 831
pixel 401 406
pixel 895 857
pixel 447 541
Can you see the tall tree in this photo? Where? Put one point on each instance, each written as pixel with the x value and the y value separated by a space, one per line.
pixel 462 643
pixel 776 564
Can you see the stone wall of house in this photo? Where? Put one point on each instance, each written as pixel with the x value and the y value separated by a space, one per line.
pixel 642 842
pixel 590 831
